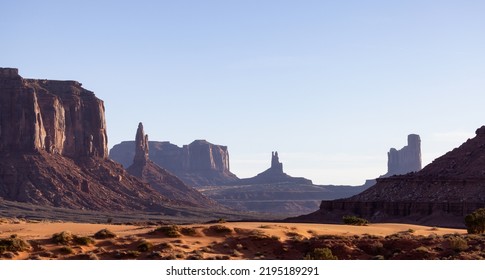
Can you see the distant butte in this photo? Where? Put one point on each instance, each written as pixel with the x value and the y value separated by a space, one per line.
pixel 198 164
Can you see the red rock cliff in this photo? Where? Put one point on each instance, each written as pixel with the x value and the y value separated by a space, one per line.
pixel 59 117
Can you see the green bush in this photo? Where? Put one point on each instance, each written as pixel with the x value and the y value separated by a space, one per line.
pixel 475 222
pixel 145 246
pixel 321 254
pixel 64 237
pixel 458 244
pixel 220 229
pixel 83 240
pixel 353 220
pixel 13 244
pixel 188 231
pixel 169 231
pixel 104 234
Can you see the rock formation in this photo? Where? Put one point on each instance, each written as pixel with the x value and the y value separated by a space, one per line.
pixel 406 160
pixel 53 149
pixel 442 193
pixel 198 164
pixel 274 174
pixel 161 180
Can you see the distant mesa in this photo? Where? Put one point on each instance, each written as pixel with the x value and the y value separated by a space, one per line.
pixel 161 180
pixel 198 164
pixel 441 194
pixel 53 149
pixel 274 174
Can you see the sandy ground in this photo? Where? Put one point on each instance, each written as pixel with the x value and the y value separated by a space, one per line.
pixel 244 240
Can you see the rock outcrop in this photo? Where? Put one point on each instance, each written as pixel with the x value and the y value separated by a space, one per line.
pixel 161 180
pixel 406 160
pixel 274 174
pixel 442 193
pixel 198 164
pixel 53 149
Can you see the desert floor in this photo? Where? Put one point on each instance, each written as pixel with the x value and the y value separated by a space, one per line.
pixel 21 239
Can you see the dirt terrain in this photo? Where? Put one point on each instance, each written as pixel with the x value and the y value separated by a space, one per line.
pixel 23 239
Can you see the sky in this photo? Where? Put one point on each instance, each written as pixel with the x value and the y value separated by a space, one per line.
pixel 330 85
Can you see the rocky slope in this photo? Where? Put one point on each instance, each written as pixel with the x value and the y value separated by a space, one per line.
pixel 53 149
pixel 161 180
pixel 442 193
pixel 198 164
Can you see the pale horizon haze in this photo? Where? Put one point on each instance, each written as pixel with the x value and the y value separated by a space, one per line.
pixel 330 85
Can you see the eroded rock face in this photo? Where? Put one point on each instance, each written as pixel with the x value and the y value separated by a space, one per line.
pixel 161 180
pixel 59 117
pixel 199 164
pixel 53 149
pixel 405 160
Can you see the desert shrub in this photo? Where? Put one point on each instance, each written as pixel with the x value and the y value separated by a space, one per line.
pixel 144 246
pixel 320 254
pixel 411 230
pixel 220 229
pixel 66 250
pixel 475 222
pixel 458 244
pixel 353 220
pixel 188 231
pixel 83 240
pixel 169 231
pixel 221 220
pixel 13 244
pixel 264 226
pixel 64 237
pixel 104 234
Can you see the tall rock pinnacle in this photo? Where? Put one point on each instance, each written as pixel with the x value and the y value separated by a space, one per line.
pixel 141 146
pixel 276 165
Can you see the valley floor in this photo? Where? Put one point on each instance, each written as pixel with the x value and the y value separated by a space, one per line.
pixel 23 239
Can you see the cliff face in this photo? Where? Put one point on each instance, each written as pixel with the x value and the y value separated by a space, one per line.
pixel 442 193
pixel 53 149
pixel 406 160
pixel 161 180
pixel 199 163
pixel 59 117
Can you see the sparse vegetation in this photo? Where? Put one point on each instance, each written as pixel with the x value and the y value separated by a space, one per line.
pixel 188 231
pixel 458 243
pixel 354 220
pixel 220 229
pixel 83 240
pixel 104 234
pixel 172 231
pixel 144 246
pixel 64 237
pixel 13 244
pixel 320 254
pixel 475 222
pixel 66 250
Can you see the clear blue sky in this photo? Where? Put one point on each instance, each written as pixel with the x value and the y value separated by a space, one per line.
pixel 331 85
